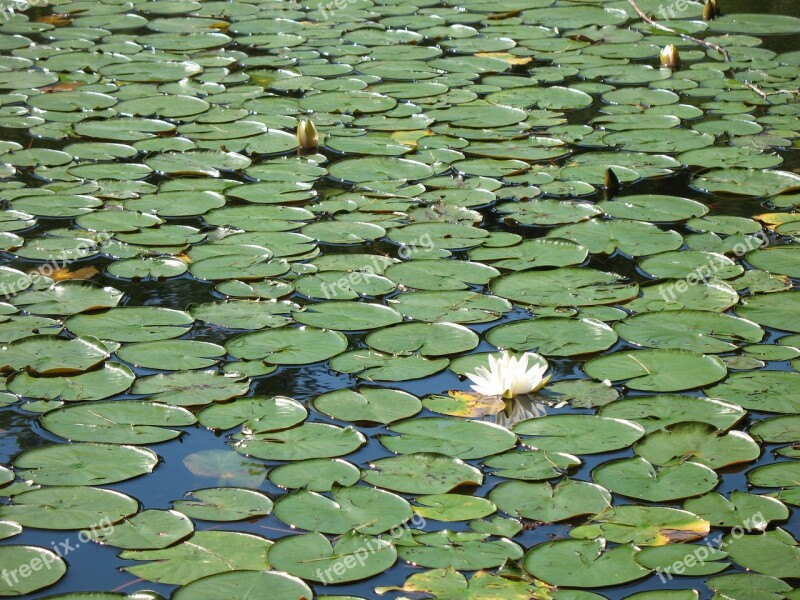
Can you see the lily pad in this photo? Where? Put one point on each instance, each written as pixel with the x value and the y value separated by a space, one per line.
pixel 118 422
pixel 224 504
pixel 448 436
pixel 578 434
pixel 205 553
pixel 550 503
pixel 314 558
pixel 21 559
pixel 364 509
pixel 637 478
pixel 658 370
pixel 583 563
pixel 421 473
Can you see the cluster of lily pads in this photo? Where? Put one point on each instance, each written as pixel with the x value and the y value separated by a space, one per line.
pixel 153 144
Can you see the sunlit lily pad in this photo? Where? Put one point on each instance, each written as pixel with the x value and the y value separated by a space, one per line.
pixel 644 526
pixel 224 504
pixel 110 379
pixel 15 558
pixel 578 434
pixel 550 503
pixel 421 473
pixel 118 422
pixel 583 563
pixel 364 509
pixel 637 478
pixel 205 553
pixel 310 440
pixel 658 370
pixel 71 507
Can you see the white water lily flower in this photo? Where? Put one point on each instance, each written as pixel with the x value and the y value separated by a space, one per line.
pixel 508 376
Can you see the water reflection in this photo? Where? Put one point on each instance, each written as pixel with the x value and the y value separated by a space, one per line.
pixel 17 434
pixel 518 409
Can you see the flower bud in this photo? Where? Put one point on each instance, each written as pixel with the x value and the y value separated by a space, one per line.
pixel 307 135
pixel 670 58
pixel 708 11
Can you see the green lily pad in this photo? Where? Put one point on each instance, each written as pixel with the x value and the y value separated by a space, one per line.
pixel 314 558
pixel 347 316
pixel 310 440
pixel 256 414
pixel 698 442
pixel 658 370
pixel 205 553
pixel 131 324
pixel 192 388
pixel 448 275
pixel 449 306
pixel 19 560
pixel 66 298
pixel 460 550
pixel 118 422
pixel 429 339
pixel 245 585
pixel 578 434
pixel 550 503
pixel 148 530
pixel 84 464
pixel 644 526
pixel 377 366
pixel 70 507
pixel 663 559
pixel 653 208
pixel 659 412
pixel 366 510
pixel 768 391
pixel 746 182
pixel 316 474
pixel 701 331
pixel 449 436
pixel 449 584
pixel 567 286
pixel 53 355
pixel 775 553
pixel 109 379
pixel 632 238
pixel 744 586
pixel 421 473
pixel 637 478
pixel 452 507
pixel 376 405
pixel 172 355
pixel 748 511
pixel 224 504
pixel 532 465
pixel 554 336
pixel 781 474
pixel 781 429
pixel 583 563
pixel 288 345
